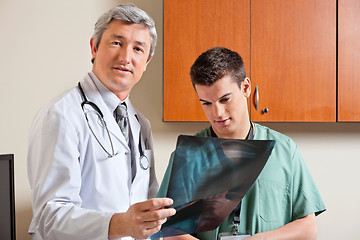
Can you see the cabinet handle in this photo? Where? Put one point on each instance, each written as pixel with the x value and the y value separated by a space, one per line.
pixel 257 97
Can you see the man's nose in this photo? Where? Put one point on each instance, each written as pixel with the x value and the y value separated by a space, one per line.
pixel 125 55
pixel 218 110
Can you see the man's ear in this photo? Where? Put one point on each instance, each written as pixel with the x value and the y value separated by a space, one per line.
pixel 147 62
pixel 246 87
pixel 93 48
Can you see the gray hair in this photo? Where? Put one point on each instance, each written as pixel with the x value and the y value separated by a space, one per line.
pixel 128 13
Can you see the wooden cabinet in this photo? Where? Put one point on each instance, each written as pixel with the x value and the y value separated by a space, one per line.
pixel 190 28
pixel 289 49
pixel 293 60
pixel 349 60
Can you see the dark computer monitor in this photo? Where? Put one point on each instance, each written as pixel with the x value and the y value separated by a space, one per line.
pixel 7 197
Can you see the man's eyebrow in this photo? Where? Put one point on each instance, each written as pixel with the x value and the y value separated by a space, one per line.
pixel 223 96
pixel 143 44
pixel 202 100
pixel 120 37
pixel 117 36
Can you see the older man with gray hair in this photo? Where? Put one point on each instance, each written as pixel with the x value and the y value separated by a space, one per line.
pixel 90 155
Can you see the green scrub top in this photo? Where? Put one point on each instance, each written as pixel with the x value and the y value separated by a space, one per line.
pixel 283 192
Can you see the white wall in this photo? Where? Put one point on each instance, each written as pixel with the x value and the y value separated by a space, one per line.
pixel 45 50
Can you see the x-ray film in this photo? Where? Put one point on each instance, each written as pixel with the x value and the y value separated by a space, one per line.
pixel 209 177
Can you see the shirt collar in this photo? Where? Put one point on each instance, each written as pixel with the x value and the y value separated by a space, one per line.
pixel 110 99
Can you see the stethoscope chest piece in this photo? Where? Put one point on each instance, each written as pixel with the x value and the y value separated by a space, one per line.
pixel 144 162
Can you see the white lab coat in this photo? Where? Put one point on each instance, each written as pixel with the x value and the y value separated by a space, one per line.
pixel 75 187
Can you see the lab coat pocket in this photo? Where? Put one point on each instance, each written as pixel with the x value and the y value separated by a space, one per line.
pixel 272 199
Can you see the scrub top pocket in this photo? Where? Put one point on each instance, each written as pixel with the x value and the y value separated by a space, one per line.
pixel 272 199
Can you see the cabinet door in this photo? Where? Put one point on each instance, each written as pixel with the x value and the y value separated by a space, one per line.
pixel 293 60
pixel 190 28
pixel 349 61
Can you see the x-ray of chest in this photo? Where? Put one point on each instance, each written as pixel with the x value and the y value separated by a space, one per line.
pixel 209 177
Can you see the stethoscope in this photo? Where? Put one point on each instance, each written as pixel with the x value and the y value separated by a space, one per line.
pixel 144 161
